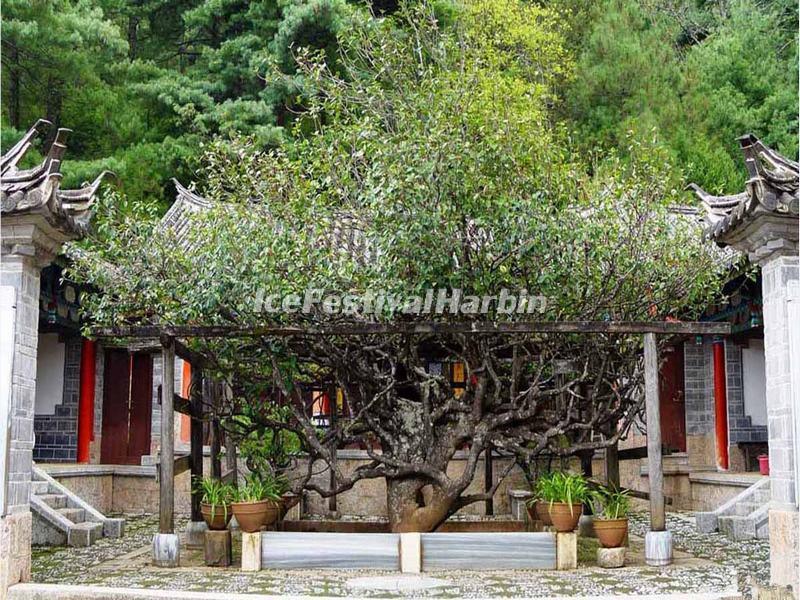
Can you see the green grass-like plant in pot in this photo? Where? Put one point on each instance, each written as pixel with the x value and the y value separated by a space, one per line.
pixel 564 494
pixel 215 502
pixel 611 516
pixel 257 502
pixel 538 508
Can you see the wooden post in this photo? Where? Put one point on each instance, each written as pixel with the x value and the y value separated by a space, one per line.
pixel 655 472
pixel 166 482
pixel 488 478
pixel 230 459
pixel 612 466
pixel 334 409
pixel 216 433
pixel 196 439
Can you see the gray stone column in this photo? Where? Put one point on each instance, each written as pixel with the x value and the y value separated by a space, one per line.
pixel 28 243
pixel 780 274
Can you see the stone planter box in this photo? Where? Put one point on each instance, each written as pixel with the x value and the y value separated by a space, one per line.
pixel 415 552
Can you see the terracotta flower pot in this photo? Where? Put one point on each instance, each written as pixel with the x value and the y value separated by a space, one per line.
pixel 563 520
pixel 531 510
pixel 273 513
pixel 611 532
pixel 543 512
pixel 252 516
pixel 220 518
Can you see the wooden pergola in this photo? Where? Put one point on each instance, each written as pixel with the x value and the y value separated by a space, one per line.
pixel 658 550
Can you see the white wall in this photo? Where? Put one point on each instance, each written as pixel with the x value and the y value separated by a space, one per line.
pixel 754 382
pixel 49 374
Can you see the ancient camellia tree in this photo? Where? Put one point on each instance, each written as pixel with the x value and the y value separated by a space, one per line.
pixel 431 160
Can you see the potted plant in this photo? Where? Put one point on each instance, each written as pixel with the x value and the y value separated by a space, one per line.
pixel 564 494
pixel 611 518
pixel 537 507
pixel 215 503
pixel 257 502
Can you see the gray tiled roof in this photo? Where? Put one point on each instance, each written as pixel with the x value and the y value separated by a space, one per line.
pixel 772 187
pixel 37 190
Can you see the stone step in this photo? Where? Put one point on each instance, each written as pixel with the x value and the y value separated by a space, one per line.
pixel 76 515
pixel 762 531
pixel 737 527
pixel 743 509
pixel 761 497
pixel 39 487
pixel 54 500
pixel 84 534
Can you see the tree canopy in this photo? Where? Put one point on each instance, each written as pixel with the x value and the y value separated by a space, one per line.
pixel 429 155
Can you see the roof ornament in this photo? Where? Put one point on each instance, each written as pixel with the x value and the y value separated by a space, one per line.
pixel 37 190
pixel 770 194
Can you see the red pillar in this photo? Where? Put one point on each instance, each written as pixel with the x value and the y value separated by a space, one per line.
pixel 86 400
pixel 721 404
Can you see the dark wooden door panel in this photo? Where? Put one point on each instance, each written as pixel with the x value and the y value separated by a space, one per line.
pixel 127 389
pixel 116 379
pixel 673 399
pixel 140 407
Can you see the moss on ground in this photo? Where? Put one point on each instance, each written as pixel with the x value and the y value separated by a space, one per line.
pixel 587 551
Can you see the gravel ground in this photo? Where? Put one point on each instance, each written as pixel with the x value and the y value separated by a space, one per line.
pixel 125 563
pixel 749 559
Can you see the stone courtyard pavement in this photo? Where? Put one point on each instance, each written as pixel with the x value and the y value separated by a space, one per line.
pixel 705 564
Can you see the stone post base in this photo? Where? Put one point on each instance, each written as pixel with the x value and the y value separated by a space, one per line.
pixel 658 548
pixel 410 553
pixel 784 566
pixel 611 558
pixel 566 551
pixel 251 551
pixel 217 548
pixel 166 550
pixel 194 533
pixel 15 550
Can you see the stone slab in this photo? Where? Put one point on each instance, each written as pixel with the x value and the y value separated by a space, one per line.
pixel 306 550
pixel 166 550
pixel 251 551
pixel 217 548
pixel 566 551
pixel 706 522
pixel 480 551
pixel 113 527
pixel 195 531
pixel 397 583
pixel 410 553
pixel 611 558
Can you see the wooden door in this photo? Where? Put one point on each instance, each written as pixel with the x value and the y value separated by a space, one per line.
pixel 127 389
pixel 672 399
pixel 140 407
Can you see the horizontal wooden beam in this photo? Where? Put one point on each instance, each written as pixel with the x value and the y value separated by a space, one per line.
pixel 640 452
pixel 429 327
pixel 180 464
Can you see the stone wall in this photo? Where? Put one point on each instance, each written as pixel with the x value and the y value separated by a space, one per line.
pixel 711 490
pixel 155 427
pixel 368 497
pixel 781 288
pixel 123 489
pixel 699 390
pixel 740 425
pixel 57 434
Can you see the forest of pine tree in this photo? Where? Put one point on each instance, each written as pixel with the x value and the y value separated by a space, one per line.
pixel 146 84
